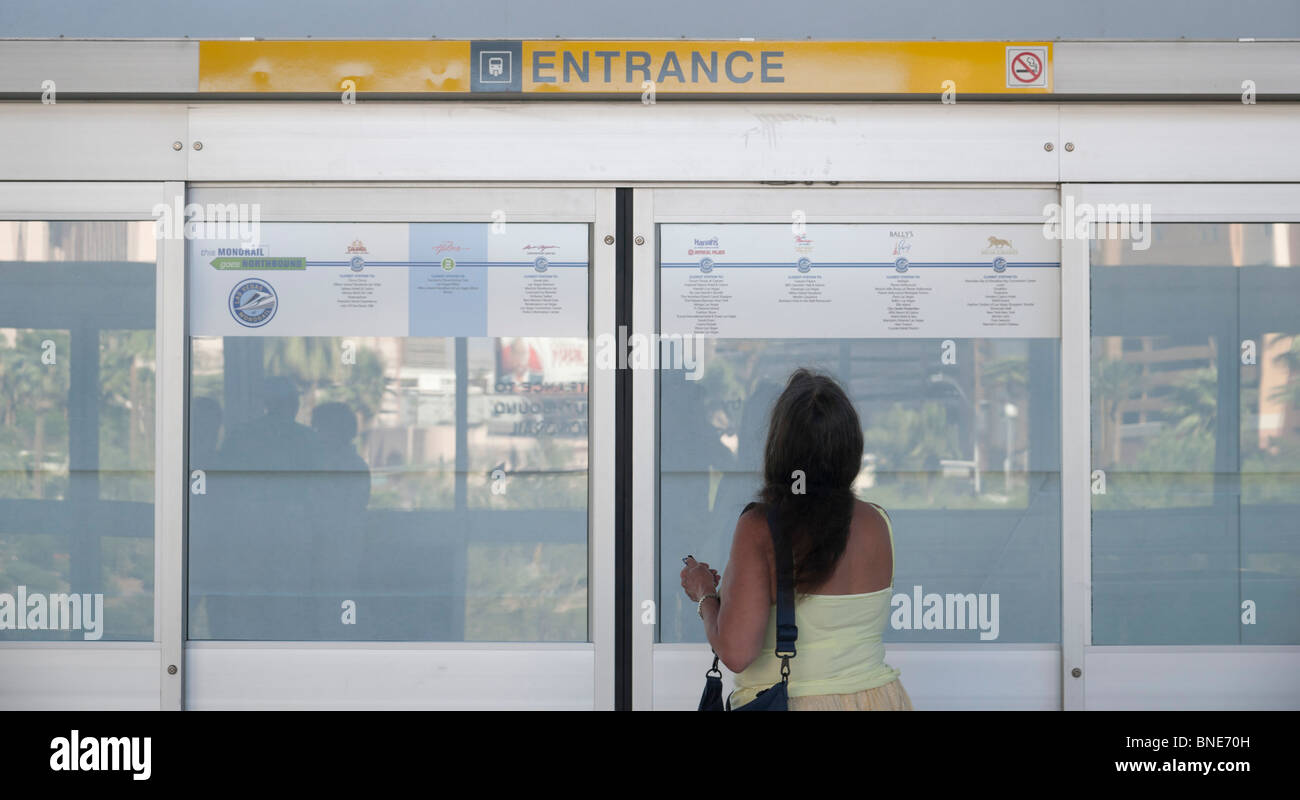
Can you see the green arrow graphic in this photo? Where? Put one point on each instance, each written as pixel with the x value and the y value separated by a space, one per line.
pixel 258 263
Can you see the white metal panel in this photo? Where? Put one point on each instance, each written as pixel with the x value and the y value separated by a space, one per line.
pixel 333 203
pixel 77 676
pixel 1182 142
pixel 99 66
pixel 1193 678
pixel 1009 678
pixel 569 141
pixel 852 204
pixel 1175 68
pixel 389 677
pixel 170 480
pixel 78 200
pixel 1076 463
pixel 1189 202
pixel 93 141
pixel 601 472
pixel 645 453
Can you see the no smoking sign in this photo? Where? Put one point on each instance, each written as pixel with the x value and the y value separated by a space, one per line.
pixel 1026 67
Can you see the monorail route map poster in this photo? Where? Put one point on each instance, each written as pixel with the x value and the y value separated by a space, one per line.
pixel 781 281
pixel 392 279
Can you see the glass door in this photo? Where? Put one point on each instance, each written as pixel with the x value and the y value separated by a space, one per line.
pixel 1195 424
pixel 398 449
pixel 88 601
pixel 938 312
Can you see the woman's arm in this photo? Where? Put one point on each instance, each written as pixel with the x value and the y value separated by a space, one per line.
pixel 736 626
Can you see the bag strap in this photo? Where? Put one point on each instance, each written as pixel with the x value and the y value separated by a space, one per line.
pixel 786 631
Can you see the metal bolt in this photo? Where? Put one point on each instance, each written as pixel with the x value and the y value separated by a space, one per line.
pixel 1047 146
pixel 639 240
pixel 609 239
pixel 198 145
pixel 1076 672
pixel 177 145
pixel 171 669
pixel 1069 147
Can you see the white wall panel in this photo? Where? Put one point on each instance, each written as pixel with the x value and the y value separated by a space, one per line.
pixel 625 141
pixel 388 677
pixel 79 677
pixel 92 141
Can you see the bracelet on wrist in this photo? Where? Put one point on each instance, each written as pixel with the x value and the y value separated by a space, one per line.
pixel 699 604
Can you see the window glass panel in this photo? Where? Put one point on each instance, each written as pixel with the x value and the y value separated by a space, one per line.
pixel 961 434
pixel 1193 425
pixel 398 488
pixel 77 392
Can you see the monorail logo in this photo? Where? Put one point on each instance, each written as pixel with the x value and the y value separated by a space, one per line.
pixel 76 753
pixel 945 612
pixel 53 612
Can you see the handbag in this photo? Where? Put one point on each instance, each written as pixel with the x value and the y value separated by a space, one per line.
pixel 775 697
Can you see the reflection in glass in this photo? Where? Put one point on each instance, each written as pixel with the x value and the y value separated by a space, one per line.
pixel 77 391
pixel 964 456
pixel 1195 427
pixel 389 489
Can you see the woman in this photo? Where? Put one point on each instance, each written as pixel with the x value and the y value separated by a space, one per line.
pixel 843 561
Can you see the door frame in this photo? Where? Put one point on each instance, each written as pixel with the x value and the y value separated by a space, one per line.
pixel 469 675
pixel 669 675
pixel 115 674
pixel 1151 677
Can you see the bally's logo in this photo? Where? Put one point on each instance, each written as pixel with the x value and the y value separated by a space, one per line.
pixel 253 302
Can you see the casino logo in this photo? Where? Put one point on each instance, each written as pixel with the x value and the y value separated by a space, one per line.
pixel 540 264
pixel 901 264
pixel 448 264
pixel 999 264
pixel 805 264
pixel 706 265
pixel 253 302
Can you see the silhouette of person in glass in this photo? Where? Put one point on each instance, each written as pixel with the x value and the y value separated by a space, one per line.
pixel 337 551
pixel 273 462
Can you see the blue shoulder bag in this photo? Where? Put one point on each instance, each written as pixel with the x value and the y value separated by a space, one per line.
pixel 775 697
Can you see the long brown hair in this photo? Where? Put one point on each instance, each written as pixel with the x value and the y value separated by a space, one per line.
pixel 814 429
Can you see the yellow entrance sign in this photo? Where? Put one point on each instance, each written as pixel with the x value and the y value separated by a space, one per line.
pixel 800 68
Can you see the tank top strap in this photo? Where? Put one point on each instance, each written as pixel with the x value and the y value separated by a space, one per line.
pixel 889 525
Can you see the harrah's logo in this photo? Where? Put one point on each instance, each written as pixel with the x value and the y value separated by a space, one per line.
pixel 78 753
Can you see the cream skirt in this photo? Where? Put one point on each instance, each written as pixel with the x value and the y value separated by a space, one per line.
pixel 890 697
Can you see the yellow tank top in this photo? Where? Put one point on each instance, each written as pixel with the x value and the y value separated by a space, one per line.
pixel 839 646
